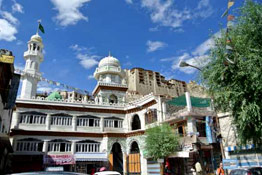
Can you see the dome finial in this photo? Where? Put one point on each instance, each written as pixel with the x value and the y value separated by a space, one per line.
pixel 109 54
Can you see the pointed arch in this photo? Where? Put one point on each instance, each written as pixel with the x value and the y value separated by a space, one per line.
pixel 113 98
pixel 136 123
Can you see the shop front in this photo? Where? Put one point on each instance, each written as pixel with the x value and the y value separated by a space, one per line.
pixel 90 162
pixel 67 161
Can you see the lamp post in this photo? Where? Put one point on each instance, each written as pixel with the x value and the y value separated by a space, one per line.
pixel 185 64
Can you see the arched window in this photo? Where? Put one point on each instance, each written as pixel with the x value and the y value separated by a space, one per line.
pixel 59 145
pixel 87 146
pixel 34 46
pixel 113 99
pixel 38 48
pixel 134 148
pixel 136 123
pixel 33 117
pixel 31 64
pixel 61 119
pixel 36 65
pixel 151 116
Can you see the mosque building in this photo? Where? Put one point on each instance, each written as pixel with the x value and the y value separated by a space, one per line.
pixel 79 133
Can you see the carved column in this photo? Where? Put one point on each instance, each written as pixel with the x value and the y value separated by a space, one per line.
pixel 48 121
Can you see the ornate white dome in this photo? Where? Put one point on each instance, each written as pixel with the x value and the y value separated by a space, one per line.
pixel 36 38
pixel 109 61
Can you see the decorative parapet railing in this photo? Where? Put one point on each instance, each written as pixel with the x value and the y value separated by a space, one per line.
pixel 72 101
pixel 108 68
pixel 85 103
pixel 111 84
pixel 33 52
pixel 142 99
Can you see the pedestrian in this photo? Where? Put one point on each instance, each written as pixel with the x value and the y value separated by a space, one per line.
pixel 198 168
pixel 220 170
pixel 193 171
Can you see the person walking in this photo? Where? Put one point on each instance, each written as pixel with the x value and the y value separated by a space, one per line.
pixel 220 170
pixel 198 168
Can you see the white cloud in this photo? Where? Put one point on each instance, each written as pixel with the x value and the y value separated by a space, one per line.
pixel 68 11
pixel 90 77
pixel 19 42
pixel 7 30
pixel 44 87
pixel 129 1
pixel 77 48
pixel 19 66
pixel 8 24
pixel 9 17
pixel 155 45
pixel 204 47
pixel 198 61
pixel 88 61
pixel 164 14
pixel 199 57
pixel 17 8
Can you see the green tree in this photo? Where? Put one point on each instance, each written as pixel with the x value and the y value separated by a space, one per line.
pixel 161 141
pixel 237 86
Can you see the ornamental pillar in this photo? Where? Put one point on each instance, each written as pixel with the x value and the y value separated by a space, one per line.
pixel 73 147
pixel 45 146
pixel 16 119
pixel 48 121
pixel 102 124
pixel 74 123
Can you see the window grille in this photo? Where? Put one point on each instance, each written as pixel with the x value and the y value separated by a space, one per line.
pixel 61 121
pixel 88 122
pixel 88 147
pixel 29 146
pixel 32 119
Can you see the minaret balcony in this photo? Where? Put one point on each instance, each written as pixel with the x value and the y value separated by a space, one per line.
pixel 108 69
pixel 35 53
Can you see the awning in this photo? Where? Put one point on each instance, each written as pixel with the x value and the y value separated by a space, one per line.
pixel 94 157
pixel 179 154
pixel 234 148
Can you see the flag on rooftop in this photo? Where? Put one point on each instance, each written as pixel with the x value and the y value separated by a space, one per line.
pixel 40 27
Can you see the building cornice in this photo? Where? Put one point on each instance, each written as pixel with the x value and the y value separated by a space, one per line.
pixel 15 132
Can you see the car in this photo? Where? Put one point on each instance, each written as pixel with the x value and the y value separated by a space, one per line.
pixel 107 173
pixel 247 171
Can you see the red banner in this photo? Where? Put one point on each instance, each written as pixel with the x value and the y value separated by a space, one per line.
pixel 59 159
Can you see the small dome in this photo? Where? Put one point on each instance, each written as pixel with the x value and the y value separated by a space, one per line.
pixel 109 61
pixel 36 38
pixel 54 96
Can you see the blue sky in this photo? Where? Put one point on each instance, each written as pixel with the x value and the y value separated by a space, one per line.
pixel 152 34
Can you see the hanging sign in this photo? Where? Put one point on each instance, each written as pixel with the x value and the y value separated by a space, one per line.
pixel 64 159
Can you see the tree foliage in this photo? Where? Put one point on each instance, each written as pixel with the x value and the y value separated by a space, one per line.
pixel 237 87
pixel 161 141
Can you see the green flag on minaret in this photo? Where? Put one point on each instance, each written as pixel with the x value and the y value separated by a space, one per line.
pixel 41 28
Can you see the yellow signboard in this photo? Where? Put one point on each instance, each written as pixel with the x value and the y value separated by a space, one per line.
pixel 7 59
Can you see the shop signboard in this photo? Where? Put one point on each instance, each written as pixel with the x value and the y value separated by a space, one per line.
pixel 230 163
pixel 7 59
pixel 64 159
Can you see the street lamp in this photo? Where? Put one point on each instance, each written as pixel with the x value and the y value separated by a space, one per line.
pixel 185 64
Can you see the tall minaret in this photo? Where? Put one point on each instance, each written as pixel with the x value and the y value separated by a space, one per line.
pixel 33 57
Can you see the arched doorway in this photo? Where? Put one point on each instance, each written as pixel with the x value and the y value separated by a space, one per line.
pixel 116 158
pixel 113 99
pixel 133 160
pixel 136 124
